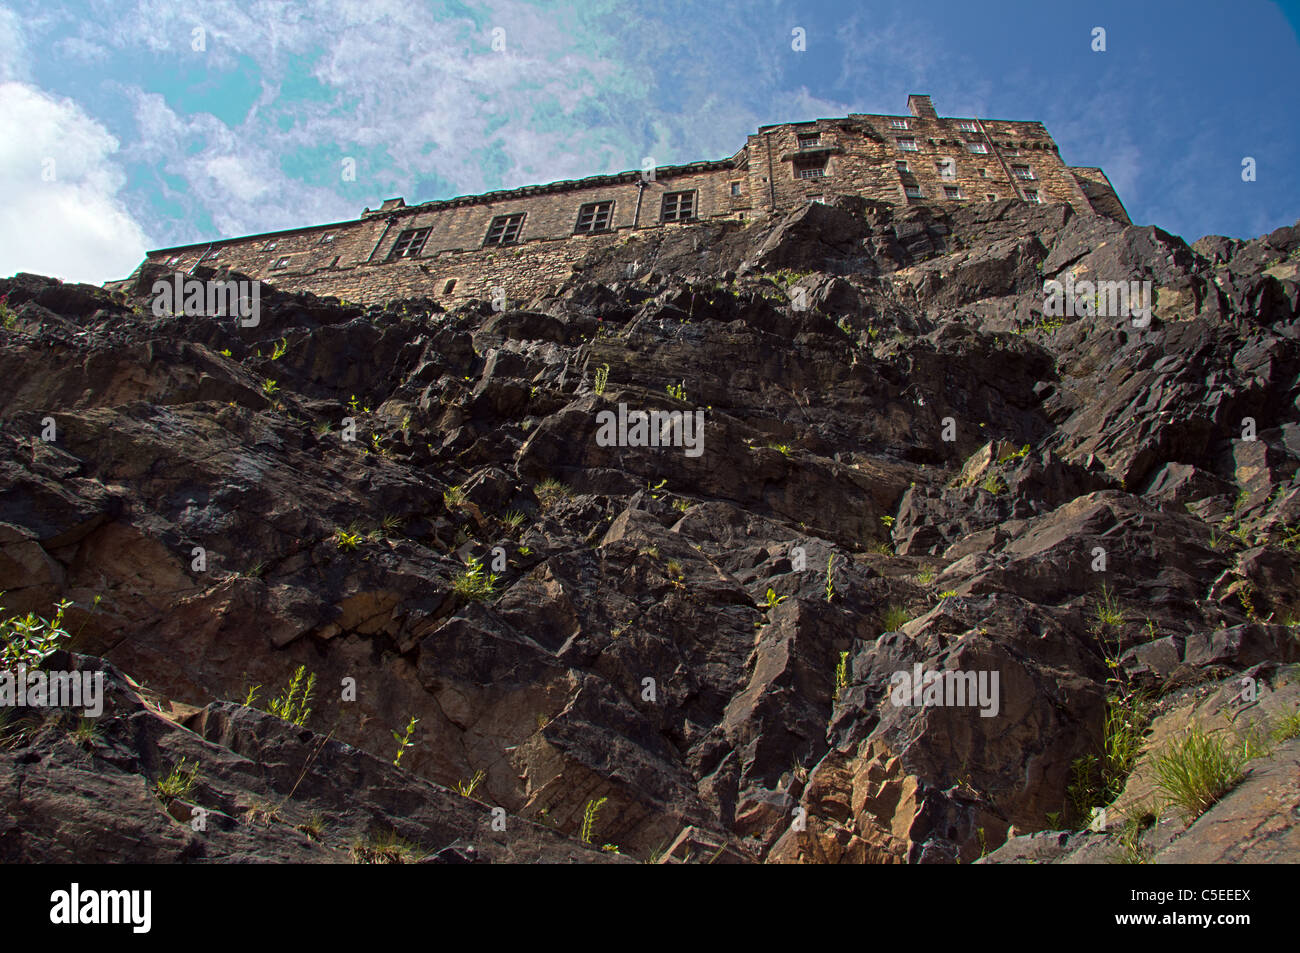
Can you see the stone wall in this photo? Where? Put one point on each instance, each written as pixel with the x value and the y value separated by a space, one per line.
pixel 780 167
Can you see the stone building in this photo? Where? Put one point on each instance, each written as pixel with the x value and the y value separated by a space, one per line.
pixel 526 240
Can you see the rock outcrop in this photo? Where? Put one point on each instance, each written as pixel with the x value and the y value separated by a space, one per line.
pixel 908 463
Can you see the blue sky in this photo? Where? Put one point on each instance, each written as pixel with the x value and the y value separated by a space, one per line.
pixel 118 135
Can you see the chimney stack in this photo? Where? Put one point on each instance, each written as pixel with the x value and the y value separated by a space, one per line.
pixel 921 107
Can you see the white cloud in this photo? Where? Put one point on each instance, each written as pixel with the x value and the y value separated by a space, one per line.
pixel 74 225
pixel 13 51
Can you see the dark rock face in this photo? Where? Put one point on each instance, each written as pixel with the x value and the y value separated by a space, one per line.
pixel 906 465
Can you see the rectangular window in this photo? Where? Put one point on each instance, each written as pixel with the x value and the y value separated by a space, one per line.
pixel 947 168
pixel 982 173
pixel 677 207
pixel 1023 172
pixel 1031 195
pixel 326 239
pixel 594 217
pixel 809 139
pixel 280 263
pixel 735 189
pixel 951 192
pixel 913 191
pixel 977 147
pixel 810 168
pixel 898 123
pixel 990 198
pixel 269 246
pixel 505 229
pixel 409 243
pixel 902 165
pixel 968 127
pixel 907 144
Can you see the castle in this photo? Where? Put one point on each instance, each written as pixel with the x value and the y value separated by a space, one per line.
pixel 525 241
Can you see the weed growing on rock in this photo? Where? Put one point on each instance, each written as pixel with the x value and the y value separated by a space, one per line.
pixel 467 788
pixel 772 599
pixel 85 733
pixel 677 391
pixel 993 483
pixel 550 491
pixel 602 378
pixel 830 577
pixel 270 387
pixel 841 675
pixel 590 814
pixel 30 639
pixel 454 497
pixel 178 784
pixel 473 583
pixel 346 540
pixel 403 740
pixel 384 849
pixel 1197 770
pixel 7 316
pixel 291 706
pixel 281 346
pixel 925 576
pixel 1108 612
pixel 895 618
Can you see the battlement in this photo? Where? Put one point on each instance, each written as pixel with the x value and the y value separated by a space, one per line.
pixel 526 240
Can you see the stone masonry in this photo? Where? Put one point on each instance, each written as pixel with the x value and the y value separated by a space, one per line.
pixel 520 243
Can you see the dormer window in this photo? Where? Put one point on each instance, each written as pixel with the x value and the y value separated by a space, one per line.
pixel 269 246
pixel 809 139
pixel 898 123
pixel 967 126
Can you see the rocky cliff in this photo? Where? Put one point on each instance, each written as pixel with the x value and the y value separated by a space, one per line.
pixel 910 463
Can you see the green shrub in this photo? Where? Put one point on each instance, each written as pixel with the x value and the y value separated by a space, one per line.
pixel 289 705
pixel 473 582
pixel 895 618
pixel 1197 770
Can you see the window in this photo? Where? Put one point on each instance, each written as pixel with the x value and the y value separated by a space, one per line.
pixel 281 263
pixel 1023 172
pixel 505 229
pixel 913 191
pixel 212 255
pixel 174 260
pixel 449 287
pixel 907 144
pixel 951 192
pixel 898 123
pixel 269 246
pixel 677 207
pixel 947 168
pixel 902 165
pixel 990 198
pixel 982 173
pixel 409 243
pixel 326 239
pixel 968 127
pixel 594 217
pixel 1031 195
pixel 810 168
pixel 735 189
pixel 809 139
pixel 977 147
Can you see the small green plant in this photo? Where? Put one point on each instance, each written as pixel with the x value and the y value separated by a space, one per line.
pixel 346 540
pixel 830 577
pixel 602 378
pixel 948 594
pixel 895 618
pixel 888 521
pixel 550 491
pixel 30 639
pixel 473 583
pixel 781 448
pixel 772 599
pixel 677 391
pixel 1197 770
pixel 7 317
pixel 467 788
pixel 1287 728
pixel 250 696
pixel 673 569
pixel 1108 612
pixel 993 483
pixel 390 524
pixel 403 740
pixel 178 784
pixel 1014 455
pixel 842 674
pixel 269 387
pixel 454 497
pixel 654 490
pixel 385 849
pixel 281 346
pixel 1130 837
pixel 314 826
pixel 85 733
pixel 680 505
pixel 925 576
pixel 525 551
pixel 291 706
pixel 225 352
pixel 590 814
pixel 1246 595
